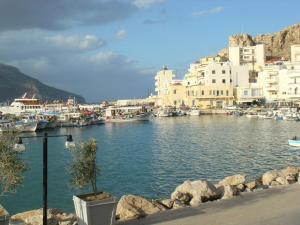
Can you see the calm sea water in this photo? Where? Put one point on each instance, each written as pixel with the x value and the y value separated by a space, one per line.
pixel 152 158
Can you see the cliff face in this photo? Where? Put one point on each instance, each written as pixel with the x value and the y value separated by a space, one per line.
pixel 14 83
pixel 276 44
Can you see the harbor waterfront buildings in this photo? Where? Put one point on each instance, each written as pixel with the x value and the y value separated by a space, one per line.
pixel 215 82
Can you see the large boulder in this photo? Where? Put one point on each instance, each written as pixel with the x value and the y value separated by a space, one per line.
pixel 251 185
pixel 168 203
pixel 228 191
pixel 282 181
pixel 269 176
pixel 199 191
pixel 234 180
pixel 133 207
pixel 290 170
pixel 35 217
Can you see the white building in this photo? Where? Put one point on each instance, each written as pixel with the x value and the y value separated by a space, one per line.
pixel 252 56
pixel 216 72
pixel 281 80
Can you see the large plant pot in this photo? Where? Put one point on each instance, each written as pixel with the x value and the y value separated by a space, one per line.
pixel 4 216
pixel 96 212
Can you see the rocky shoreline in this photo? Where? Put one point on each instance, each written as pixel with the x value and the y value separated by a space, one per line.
pixel 187 194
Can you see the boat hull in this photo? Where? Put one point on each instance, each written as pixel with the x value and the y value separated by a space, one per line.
pixel 295 143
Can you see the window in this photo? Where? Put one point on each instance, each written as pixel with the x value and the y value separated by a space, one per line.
pixel 230 80
pixel 213 72
pixel 202 92
pixel 188 93
pixel 245 93
pixel 217 92
pixel 222 92
pixel 295 81
pixel 175 102
pixel 193 102
pixel 192 93
pixel 227 92
pixel 223 71
pixel 174 92
pixel 209 92
pixel 188 83
pixel 213 81
pixel 229 71
pixel 214 93
pixel 223 81
pixel 202 74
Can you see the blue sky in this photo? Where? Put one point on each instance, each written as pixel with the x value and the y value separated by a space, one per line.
pixel 108 49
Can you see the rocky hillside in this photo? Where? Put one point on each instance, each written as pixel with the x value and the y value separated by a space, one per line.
pixel 14 83
pixel 276 44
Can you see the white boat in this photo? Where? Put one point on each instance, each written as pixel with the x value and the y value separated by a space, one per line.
pixel 26 125
pixel 194 112
pixel 252 116
pixel 294 142
pixel 163 113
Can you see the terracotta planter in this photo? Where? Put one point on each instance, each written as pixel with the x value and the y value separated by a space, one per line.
pixel 95 212
pixel 4 216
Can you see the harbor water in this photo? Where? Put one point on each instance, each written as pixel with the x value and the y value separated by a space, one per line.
pixel 151 158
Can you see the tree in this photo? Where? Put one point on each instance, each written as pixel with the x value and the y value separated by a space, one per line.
pixel 83 168
pixel 12 165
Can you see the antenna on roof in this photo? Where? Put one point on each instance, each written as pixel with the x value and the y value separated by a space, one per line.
pixel 24 96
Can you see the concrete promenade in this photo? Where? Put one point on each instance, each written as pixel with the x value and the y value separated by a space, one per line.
pixel 274 206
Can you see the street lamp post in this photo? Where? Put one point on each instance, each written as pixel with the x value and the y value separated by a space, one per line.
pixel 19 146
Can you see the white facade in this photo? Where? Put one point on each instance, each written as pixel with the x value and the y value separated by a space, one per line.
pixel 163 79
pixel 252 56
pixel 217 73
pixel 249 93
pixel 281 82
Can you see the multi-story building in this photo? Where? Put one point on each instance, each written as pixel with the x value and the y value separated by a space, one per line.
pixel 252 56
pixel 208 83
pixel 281 80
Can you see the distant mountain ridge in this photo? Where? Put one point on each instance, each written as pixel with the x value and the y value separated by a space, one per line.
pixel 277 44
pixel 14 83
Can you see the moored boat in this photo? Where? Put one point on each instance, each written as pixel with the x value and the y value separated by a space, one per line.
pixel 294 142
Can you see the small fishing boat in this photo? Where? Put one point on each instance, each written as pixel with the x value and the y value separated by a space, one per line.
pixel 294 142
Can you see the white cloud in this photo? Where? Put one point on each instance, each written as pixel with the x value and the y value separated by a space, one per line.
pixel 216 10
pixel 34 65
pixel 88 42
pixel 121 34
pixel 102 57
pixel 147 3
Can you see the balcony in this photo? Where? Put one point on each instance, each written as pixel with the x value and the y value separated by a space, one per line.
pixel 271 88
pixel 271 81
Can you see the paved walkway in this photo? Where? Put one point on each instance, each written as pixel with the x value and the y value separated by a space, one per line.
pixel 276 206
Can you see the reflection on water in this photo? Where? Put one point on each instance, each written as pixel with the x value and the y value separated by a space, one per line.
pixel 152 158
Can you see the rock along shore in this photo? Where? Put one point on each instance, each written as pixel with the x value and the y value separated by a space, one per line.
pixel 187 194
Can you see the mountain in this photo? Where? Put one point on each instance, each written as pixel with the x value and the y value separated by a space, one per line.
pixel 14 84
pixel 276 44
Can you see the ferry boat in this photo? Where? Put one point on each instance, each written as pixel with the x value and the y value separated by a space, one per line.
pixel 23 105
pixel 126 114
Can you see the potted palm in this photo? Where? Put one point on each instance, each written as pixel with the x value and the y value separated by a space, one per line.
pixel 95 207
pixel 12 168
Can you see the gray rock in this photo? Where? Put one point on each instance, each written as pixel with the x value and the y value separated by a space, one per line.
pixel 199 191
pixel 275 183
pixel 233 180
pixel 227 191
pixel 251 185
pixel 168 203
pixel 133 207
pixel 269 176
pixel 178 204
pixel 282 181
